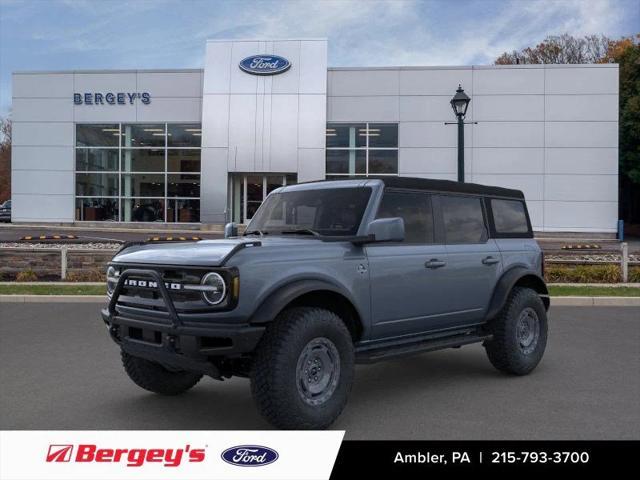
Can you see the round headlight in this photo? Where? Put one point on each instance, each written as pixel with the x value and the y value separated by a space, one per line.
pixel 112 280
pixel 216 288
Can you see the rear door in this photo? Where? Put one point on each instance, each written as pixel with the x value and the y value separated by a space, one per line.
pixel 408 291
pixel 474 261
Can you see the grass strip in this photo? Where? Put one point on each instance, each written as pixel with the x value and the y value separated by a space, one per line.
pixel 593 291
pixel 53 290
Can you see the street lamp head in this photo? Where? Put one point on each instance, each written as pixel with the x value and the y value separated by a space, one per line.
pixel 460 102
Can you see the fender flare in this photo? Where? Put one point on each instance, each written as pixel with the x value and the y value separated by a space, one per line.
pixel 282 296
pixel 506 283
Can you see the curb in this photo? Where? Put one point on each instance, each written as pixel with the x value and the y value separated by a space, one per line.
pixel 595 302
pixel 53 299
pixel 555 301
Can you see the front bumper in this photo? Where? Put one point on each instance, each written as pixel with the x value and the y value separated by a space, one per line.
pixel 166 339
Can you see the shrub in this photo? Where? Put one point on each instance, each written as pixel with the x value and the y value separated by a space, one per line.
pixel 26 276
pixel 85 276
pixel 582 273
pixel 634 274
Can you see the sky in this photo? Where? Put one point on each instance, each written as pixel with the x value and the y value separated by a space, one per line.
pixel 117 34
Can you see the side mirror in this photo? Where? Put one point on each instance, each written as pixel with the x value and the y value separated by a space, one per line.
pixel 231 230
pixel 386 229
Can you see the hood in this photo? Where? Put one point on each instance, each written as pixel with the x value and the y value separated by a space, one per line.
pixel 209 253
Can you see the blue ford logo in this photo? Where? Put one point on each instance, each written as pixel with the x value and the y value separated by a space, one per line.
pixel 249 455
pixel 265 64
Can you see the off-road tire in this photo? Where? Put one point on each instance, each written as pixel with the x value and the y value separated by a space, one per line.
pixel 274 376
pixel 157 379
pixel 504 349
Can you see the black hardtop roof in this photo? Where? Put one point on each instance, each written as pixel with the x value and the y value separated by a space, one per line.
pixel 448 186
pixel 429 184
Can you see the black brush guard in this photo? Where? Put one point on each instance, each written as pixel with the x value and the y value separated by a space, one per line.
pixel 180 345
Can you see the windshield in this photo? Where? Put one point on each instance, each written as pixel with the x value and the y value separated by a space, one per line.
pixel 330 211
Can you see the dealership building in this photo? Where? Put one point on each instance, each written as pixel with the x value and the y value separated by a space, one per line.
pixel 207 145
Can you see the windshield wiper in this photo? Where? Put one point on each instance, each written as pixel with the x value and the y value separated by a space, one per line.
pixel 300 231
pixel 255 232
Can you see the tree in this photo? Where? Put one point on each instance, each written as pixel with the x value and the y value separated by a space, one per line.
pixel 560 49
pixel 5 159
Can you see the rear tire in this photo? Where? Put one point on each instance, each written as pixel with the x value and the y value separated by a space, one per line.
pixel 303 369
pixel 519 333
pixel 157 379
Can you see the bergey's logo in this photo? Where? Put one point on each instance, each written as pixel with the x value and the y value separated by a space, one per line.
pixel 265 64
pixel 249 456
pixel 59 453
pixel 111 98
pixel 131 457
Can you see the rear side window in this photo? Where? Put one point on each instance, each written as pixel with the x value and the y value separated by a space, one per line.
pixel 414 209
pixel 463 219
pixel 509 216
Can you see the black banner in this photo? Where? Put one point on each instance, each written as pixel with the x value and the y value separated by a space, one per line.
pixel 412 459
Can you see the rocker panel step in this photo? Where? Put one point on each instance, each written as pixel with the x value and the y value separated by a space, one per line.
pixel 377 354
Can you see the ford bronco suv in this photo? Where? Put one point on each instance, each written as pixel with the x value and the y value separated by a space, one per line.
pixel 328 274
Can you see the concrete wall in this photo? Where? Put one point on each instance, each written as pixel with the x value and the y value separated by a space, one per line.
pixel 43 113
pixel 551 131
pixel 257 123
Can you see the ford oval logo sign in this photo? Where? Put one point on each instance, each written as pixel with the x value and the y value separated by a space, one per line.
pixel 265 64
pixel 249 456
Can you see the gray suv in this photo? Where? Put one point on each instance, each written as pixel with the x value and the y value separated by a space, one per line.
pixel 328 274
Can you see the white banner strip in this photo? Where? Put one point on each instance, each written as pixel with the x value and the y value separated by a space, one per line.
pixel 151 455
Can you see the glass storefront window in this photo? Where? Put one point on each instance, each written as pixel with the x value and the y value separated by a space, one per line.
pixel 183 211
pixel 143 160
pixel 383 135
pixel 383 161
pixel 102 135
pixel 96 185
pixel 126 172
pixel 361 149
pixel 346 136
pixel 148 135
pixel 184 135
pixel 96 209
pixel 143 185
pixel 352 162
pixel 142 210
pixel 96 159
pixel 183 161
pixel 183 185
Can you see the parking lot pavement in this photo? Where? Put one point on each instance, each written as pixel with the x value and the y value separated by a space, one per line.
pixel 59 370
pixel 13 233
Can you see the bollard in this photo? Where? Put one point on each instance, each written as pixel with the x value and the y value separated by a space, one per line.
pixel 63 263
pixel 624 261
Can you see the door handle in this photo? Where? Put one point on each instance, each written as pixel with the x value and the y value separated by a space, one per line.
pixel 490 260
pixel 434 263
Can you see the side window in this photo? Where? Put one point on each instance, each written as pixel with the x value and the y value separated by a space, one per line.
pixel 463 219
pixel 414 209
pixel 509 216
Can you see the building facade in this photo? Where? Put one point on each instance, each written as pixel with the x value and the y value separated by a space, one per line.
pixel 206 146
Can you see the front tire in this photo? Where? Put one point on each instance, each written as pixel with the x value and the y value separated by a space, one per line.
pixel 519 333
pixel 157 379
pixel 303 369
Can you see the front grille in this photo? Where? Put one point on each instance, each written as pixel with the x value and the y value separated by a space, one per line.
pixel 149 297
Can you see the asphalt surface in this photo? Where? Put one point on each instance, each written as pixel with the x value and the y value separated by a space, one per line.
pixel 12 234
pixel 59 370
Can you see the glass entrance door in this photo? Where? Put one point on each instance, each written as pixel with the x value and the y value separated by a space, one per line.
pixel 248 191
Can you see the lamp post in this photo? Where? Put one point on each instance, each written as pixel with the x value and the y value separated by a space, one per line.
pixel 460 103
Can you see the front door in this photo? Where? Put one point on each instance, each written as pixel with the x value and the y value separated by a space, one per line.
pixel 248 191
pixel 407 279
